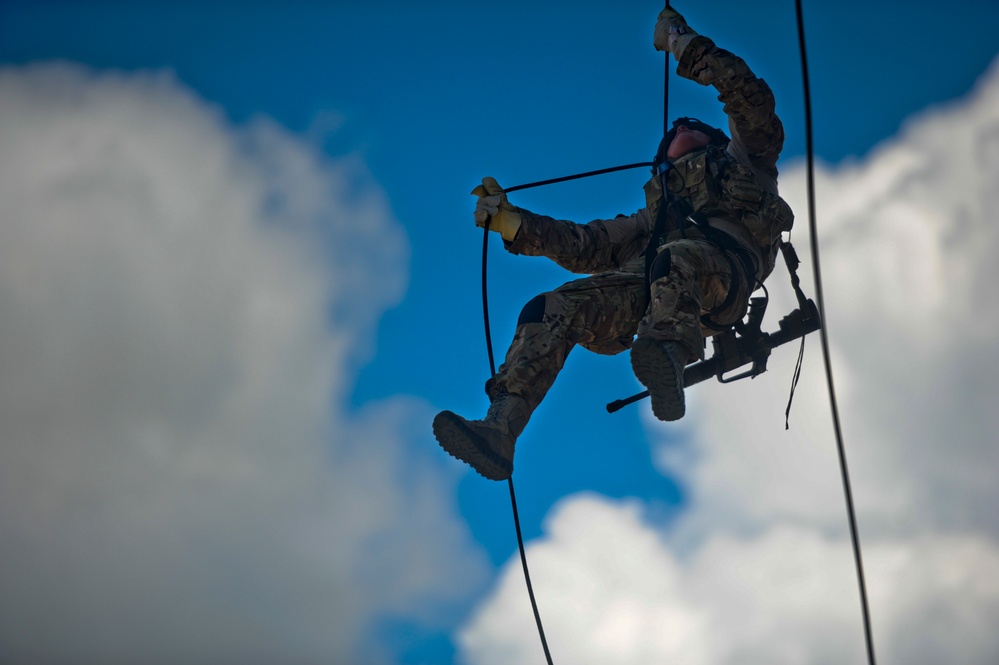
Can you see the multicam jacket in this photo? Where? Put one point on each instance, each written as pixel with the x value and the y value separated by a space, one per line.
pixel 733 188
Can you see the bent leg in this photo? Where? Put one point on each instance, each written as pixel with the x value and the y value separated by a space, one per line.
pixel 690 277
pixel 600 312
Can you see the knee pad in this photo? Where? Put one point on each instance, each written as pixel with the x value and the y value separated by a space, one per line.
pixel 533 312
pixel 661 266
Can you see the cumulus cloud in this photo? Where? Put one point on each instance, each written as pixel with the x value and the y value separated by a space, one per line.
pixel 183 304
pixel 613 589
pixel 758 568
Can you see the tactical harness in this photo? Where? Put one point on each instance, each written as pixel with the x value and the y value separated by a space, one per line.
pixel 704 183
pixel 688 224
pixel 683 211
pixel 740 343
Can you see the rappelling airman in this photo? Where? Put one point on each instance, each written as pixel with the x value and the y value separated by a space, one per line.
pixel 660 280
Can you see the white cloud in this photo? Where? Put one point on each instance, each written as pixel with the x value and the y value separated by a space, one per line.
pixel 183 305
pixel 759 567
pixel 600 579
pixel 612 589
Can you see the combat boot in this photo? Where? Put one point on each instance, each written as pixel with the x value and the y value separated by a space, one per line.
pixel 659 366
pixel 486 445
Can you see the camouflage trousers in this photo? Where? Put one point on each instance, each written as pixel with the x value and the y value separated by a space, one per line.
pixel 604 312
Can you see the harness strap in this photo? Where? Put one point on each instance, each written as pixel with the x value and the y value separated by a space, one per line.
pixel 730 247
pixel 733 291
pixel 673 211
pixel 792 262
pixel 726 242
pixel 677 212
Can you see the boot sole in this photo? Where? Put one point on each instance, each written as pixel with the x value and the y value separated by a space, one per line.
pixel 656 370
pixel 465 445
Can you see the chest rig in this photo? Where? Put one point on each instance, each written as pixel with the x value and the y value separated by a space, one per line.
pixel 708 183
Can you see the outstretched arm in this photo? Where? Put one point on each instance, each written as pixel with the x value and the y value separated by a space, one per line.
pixel 601 245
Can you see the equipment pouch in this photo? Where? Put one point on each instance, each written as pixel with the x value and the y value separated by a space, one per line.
pixel 691 175
pixel 653 195
pixel 772 218
pixel 778 213
pixel 742 191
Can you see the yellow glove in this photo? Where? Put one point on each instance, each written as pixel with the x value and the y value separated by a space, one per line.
pixel 672 32
pixel 493 206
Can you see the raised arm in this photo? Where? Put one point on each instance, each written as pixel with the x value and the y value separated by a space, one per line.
pixel 757 132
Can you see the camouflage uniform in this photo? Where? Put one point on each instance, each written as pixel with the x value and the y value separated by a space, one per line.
pixel 732 190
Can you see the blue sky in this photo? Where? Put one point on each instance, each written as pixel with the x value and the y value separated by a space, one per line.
pixel 430 97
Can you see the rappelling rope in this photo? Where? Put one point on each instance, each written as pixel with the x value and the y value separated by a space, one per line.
pixel 492 360
pixel 489 341
pixel 825 340
pixel 513 496
pixel 492 372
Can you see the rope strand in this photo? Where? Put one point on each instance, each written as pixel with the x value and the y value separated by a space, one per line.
pixel 513 496
pixel 489 342
pixel 844 471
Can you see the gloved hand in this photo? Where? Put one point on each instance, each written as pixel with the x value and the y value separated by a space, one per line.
pixel 492 205
pixel 672 32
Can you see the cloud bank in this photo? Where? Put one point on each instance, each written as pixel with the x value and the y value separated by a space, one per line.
pixel 758 568
pixel 183 306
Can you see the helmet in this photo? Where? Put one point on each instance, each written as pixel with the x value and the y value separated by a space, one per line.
pixel 716 136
